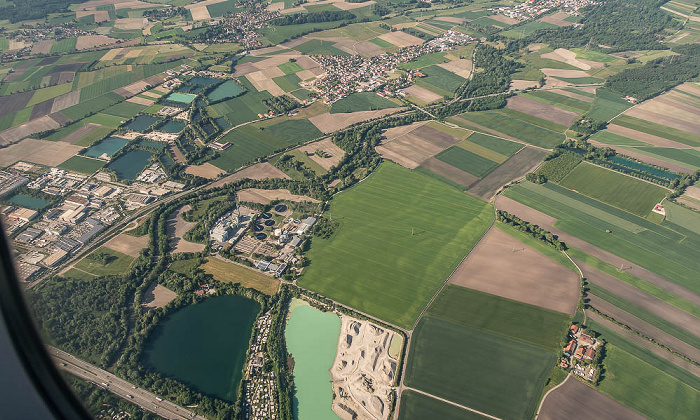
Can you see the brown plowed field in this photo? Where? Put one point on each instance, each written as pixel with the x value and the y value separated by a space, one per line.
pixel 329 123
pixel 205 170
pixel 515 167
pixel 643 327
pixel 401 39
pixel 503 266
pixel 565 73
pixel 577 401
pixel 15 102
pixel 557 19
pixel 541 110
pixel 461 67
pixel 664 120
pixel 326 145
pixel 644 343
pixel 437 137
pixel 657 307
pixel 523 84
pixel 410 149
pixel 256 195
pixel 547 222
pixel 42 152
pixel 127 244
pixel 667 105
pixel 450 172
pixel 644 137
pixel 258 171
pixel 422 94
pixel 80 133
pixel 176 227
pixel 65 101
pixel 85 42
pixel 157 296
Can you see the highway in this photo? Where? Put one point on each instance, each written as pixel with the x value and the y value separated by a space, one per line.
pixel 120 387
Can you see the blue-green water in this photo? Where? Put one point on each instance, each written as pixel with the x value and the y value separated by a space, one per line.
pixel 312 339
pixel 130 164
pixel 183 98
pixel 172 127
pixel 204 345
pixel 108 146
pixel 642 167
pixel 158 145
pixel 228 89
pixel 142 122
pixel 28 202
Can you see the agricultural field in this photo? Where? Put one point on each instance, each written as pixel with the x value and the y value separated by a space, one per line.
pixel 104 262
pixel 416 406
pixel 229 272
pixel 622 191
pixel 445 359
pixel 654 247
pixel 82 164
pixel 404 228
pixel 363 101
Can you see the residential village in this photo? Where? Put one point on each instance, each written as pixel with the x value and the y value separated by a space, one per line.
pixel 534 8
pixel 580 354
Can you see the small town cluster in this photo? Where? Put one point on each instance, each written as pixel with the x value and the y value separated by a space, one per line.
pixel 533 8
pixel 259 385
pixel 580 354
pixel 345 75
pixel 241 27
pixel 75 209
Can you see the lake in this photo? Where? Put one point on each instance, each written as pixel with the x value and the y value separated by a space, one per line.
pixel 130 164
pixel 183 98
pixel 108 146
pixel 172 127
pixel 204 345
pixel 28 202
pixel 142 123
pixel 312 339
pixel 204 81
pixel 228 89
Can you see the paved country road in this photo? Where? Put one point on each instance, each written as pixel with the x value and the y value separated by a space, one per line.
pixel 120 387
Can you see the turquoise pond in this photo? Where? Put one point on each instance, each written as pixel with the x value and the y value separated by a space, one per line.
pixel 28 202
pixel 108 146
pixel 312 340
pixel 142 123
pixel 172 127
pixel 130 164
pixel 183 98
pixel 226 90
pixel 642 167
pixel 158 145
pixel 204 345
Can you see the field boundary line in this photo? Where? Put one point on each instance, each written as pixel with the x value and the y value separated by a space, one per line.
pixel 481 413
pixel 547 394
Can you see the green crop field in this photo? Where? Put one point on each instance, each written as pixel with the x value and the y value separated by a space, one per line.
pixel 616 139
pixel 657 248
pixel 424 61
pixel 288 82
pixel 85 108
pixel 320 47
pixel 82 164
pixel 223 8
pixel 504 122
pixel 381 43
pixel 125 109
pixel 679 217
pixel 294 131
pixel 49 93
pixel 607 105
pixel 527 29
pixel 467 161
pixel 494 314
pixel 363 101
pixel 400 235
pixel 559 167
pixel 64 45
pixel 622 191
pixel 290 67
pixel 690 157
pixel 499 145
pixel 416 406
pixel 477 369
pixel 561 101
pixel 632 280
pixel 647 389
pixel 242 108
pixel 116 263
pixel 482 151
pixel 441 78
pixel 591 55
pixel 659 130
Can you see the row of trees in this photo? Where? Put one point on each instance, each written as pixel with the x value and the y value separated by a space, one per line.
pixel 534 230
pixel 313 17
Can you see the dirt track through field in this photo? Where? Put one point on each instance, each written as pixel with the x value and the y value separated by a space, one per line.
pixel 541 110
pixel 546 222
pixel 646 344
pixel 577 401
pixel 503 266
pixel 515 167
pixel 656 306
pixel 643 327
